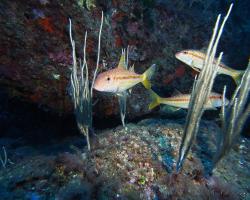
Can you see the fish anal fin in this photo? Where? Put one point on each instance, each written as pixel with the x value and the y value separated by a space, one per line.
pixel 175 109
pixel 121 94
pixel 169 108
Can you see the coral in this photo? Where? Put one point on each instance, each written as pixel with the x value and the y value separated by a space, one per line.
pixel 220 190
pixel 234 116
pixel 136 163
pixel 201 90
pixel 46 24
pixel 81 88
pixel 69 162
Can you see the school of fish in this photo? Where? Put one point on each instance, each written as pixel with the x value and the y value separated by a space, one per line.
pixel 121 79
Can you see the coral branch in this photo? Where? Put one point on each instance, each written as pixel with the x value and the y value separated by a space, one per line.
pixel 82 92
pixel 201 90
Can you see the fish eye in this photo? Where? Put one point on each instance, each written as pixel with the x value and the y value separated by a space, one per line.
pixel 108 78
pixel 185 52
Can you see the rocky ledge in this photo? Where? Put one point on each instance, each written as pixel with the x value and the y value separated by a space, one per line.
pixel 133 163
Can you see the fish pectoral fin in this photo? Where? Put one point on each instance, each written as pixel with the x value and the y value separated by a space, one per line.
pixel 193 66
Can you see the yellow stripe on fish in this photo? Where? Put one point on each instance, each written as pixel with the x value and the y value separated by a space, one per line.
pixel 121 79
pixel 182 101
pixel 196 59
pixel 127 77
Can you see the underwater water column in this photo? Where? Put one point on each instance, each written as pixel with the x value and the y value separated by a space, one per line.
pixel 201 90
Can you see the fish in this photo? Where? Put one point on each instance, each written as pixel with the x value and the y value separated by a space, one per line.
pixel 180 101
pixel 121 79
pixel 195 59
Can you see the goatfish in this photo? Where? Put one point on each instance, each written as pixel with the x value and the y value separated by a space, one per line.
pixel 195 59
pixel 120 79
pixel 179 101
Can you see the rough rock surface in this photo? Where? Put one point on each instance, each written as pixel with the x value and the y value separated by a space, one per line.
pixel 133 163
pixel 35 54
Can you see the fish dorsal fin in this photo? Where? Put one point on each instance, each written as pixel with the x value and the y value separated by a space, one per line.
pixel 177 93
pixel 132 68
pixel 122 63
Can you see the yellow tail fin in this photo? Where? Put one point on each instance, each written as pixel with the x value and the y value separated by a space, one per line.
pixel 237 76
pixel 156 100
pixel 147 75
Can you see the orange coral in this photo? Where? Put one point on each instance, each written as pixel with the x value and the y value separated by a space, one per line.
pixel 90 45
pixel 169 79
pixel 180 71
pixel 118 41
pixel 46 24
pixel 118 16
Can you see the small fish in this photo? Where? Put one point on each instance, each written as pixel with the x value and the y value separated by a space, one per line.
pixel 121 79
pixel 195 59
pixel 182 101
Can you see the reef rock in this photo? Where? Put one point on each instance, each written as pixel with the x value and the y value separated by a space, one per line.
pixel 133 163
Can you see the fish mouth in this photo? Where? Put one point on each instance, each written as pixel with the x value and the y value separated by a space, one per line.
pixel 95 86
pixel 177 55
pixel 98 89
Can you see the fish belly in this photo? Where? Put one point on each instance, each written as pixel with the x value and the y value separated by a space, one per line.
pixel 198 63
pixel 224 70
pixel 125 85
pixel 176 104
